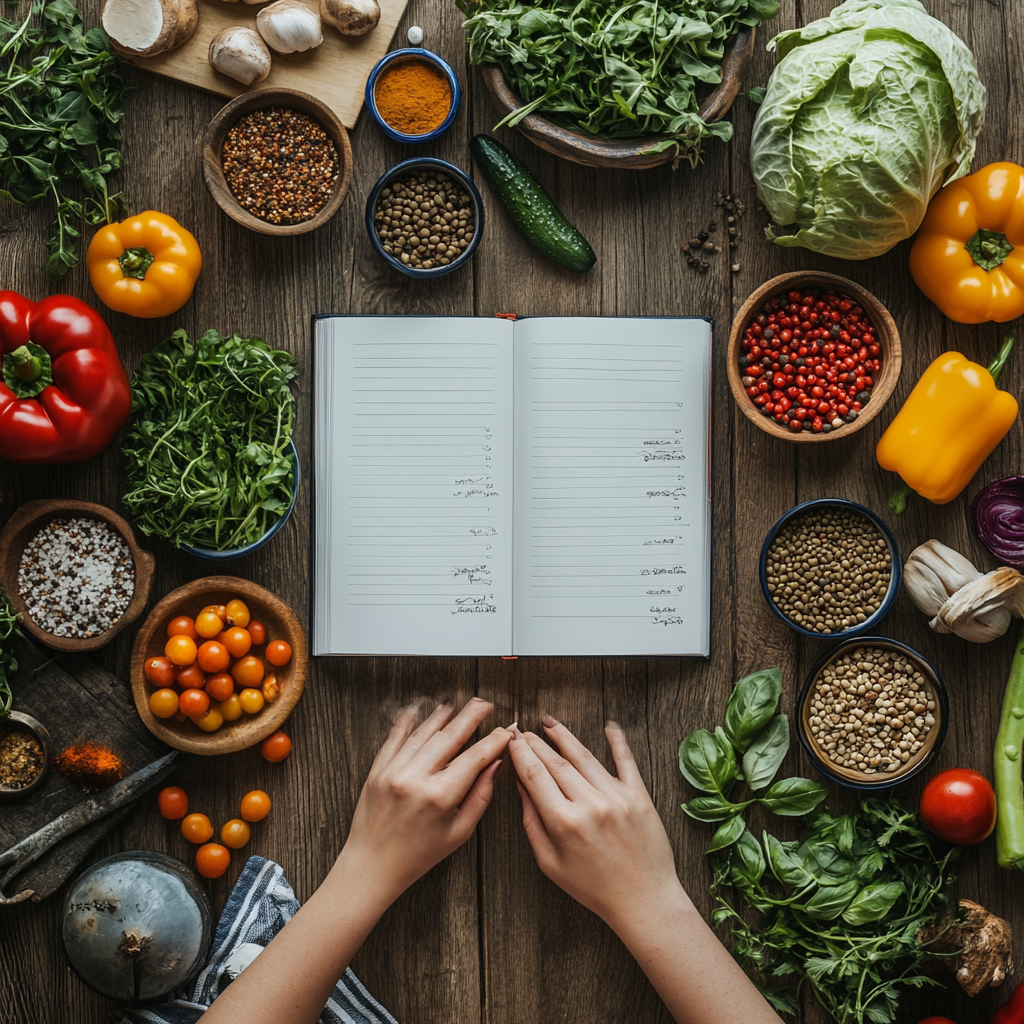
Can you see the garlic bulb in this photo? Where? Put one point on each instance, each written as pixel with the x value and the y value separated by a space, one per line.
pixel 947 586
pixel 240 53
pixel 289 26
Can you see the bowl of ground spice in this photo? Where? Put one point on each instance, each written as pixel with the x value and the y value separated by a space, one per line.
pixel 277 161
pixel 413 95
pixel 74 572
pixel 873 713
pixel 24 754
pixel 830 567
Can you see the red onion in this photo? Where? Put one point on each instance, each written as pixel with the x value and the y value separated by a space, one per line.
pixel 998 514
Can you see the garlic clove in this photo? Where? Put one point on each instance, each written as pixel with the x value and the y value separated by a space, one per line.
pixel 934 572
pixel 289 26
pixel 240 53
pixel 351 17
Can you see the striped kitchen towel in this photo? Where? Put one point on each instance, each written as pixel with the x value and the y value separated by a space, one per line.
pixel 259 906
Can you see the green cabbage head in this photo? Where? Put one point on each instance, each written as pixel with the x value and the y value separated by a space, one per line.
pixel 867 114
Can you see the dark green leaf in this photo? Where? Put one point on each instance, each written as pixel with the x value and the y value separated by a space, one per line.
pixel 747 861
pixel 756 94
pixel 830 901
pixel 708 761
pixel 794 797
pixel 752 706
pixel 726 835
pixel 786 864
pixel 711 808
pixel 873 902
pixel 766 753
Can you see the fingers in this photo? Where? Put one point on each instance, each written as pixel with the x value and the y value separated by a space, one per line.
pixel 429 728
pixel 577 754
pixel 440 750
pixel 540 841
pixel 476 801
pixel 466 769
pixel 535 777
pixel 566 777
pixel 405 722
pixel 625 765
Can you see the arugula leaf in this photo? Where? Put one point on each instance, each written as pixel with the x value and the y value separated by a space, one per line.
pixel 752 706
pixel 708 761
pixel 766 753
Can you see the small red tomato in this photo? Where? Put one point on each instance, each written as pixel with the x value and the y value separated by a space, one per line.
pixel 257 632
pixel 194 702
pixel 959 806
pixel 159 671
pixel 182 626
pixel 173 803
pixel 248 671
pixel 212 860
pixel 191 677
pixel 237 641
pixel 220 686
pixel 213 656
pixel 279 652
pixel 276 747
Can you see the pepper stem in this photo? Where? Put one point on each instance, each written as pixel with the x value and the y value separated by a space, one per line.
pixel 27 371
pixel 135 262
pixel 898 498
pixel 996 366
pixel 27 367
pixel 988 248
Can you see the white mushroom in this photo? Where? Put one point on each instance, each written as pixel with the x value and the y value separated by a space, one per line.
pixel 144 28
pixel 351 17
pixel 238 52
pixel 289 26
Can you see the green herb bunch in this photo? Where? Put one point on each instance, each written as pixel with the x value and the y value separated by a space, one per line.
pixel 208 457
pixel 619 69
pixel 8 663
pixel 841 908
pixel 62 101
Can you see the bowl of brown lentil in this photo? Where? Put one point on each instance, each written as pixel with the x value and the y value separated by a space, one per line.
pixel 873 713
pixel 830 567
pixel 425 217
pixel 277 161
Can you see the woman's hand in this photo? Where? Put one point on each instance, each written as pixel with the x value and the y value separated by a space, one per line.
pixel 423 799
pixel 596 836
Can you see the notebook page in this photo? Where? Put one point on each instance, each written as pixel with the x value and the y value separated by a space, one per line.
pixel 611 505
pixel 413 453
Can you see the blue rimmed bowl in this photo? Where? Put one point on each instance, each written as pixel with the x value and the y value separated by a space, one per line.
pixel 226 556
pixel 896 567
pixel 917 763
pixel 414 53
pixel 459 175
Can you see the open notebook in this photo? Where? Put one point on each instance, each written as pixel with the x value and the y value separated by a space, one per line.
pixel 490 487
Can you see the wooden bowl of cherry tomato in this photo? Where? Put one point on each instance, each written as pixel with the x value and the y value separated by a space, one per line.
pixel 218 666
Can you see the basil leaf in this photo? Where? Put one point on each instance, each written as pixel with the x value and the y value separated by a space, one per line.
pixel 747 863
pixel 794 797
pixel 873 902
pixel 752 706
pixel 711 808
pixel 708 761
pixel 766 753
pixel 727 834
pixel 824 862
pixel 785 863
pixel 830 901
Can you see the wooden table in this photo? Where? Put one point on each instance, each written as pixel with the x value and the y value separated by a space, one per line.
pixel 485 937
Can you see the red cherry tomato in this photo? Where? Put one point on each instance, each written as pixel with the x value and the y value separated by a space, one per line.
pixel 248 671
pixel 279 652
pixel 173 803
pixel 213 657
pixel 182 626
pixel 276 747
pixel 220 686
pixel 191 677
pixel 959 806
pixel 194 703
pixel 258 632
pixel 159 671
pixel 212 860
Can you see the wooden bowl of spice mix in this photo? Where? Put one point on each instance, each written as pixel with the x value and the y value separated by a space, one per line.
pixel 873 713
pixel 74 572
pixel 277 161
pixel 24 754
pixel 413 95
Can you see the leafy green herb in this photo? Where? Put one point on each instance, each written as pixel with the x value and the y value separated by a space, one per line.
pixel 619 69
pixel 8 664
pixel 61 107
pixel 208 457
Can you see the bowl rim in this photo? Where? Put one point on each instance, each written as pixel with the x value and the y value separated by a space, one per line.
pixel 886 331
pixel 942 722
pixel 227 556
pixel 257 99
pixel 21 720
pixel 895 579
pixel 474 192
pixel 413 53
pixel 44 511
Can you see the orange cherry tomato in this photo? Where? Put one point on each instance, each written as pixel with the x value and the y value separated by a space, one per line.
pixel 237 641
pixel 219 610
pixel 208 623
pixel 196 828
pixel 231 708
pixel 181 650
pixel 238 613
pixel 159 671
pixel 173 803
pixel 252 701
pixel 194 702
pixel 212 860
pixel 279 652
pixel 191 677
pixel 163 703
pixel 180 716
pixel 213 657
pixel 258 632
pixel 248 671
pixel 182 626
pixel 210 720
pixel 255 805
pixel 235 833
pixel 276 747
pixel 220 686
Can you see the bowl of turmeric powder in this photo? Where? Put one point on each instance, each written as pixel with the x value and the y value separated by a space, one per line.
pixel 413 95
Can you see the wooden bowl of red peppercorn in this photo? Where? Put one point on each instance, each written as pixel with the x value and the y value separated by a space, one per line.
pixel 813 357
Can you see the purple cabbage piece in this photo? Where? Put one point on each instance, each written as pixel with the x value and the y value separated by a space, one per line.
pixel 998 516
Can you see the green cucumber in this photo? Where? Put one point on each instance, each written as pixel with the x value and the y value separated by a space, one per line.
pixel 530 207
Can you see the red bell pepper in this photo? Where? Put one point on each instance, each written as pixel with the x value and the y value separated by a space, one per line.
pixel 1012 1011
pixel 64 394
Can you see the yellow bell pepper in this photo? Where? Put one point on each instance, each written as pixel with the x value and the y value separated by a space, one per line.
pixel 946 429
pixel 969 254
pixel 145 266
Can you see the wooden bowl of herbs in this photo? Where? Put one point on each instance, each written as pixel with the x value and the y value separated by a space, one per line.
pixel 250 166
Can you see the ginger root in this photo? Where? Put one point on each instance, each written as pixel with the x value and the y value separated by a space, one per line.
pixel 982 943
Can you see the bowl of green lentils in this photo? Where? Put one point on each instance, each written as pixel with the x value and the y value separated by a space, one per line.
pixel 830 568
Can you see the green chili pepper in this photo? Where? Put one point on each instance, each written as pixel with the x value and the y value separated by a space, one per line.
pixel 1009 783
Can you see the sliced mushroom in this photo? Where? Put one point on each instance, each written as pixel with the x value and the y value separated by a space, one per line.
pixel 238 52
pixel 351 17
pixel 144 28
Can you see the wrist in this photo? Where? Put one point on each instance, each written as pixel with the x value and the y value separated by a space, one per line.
pixel 365 881
pixel 649 911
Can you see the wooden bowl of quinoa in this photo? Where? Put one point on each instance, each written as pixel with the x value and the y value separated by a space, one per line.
pixel 42 584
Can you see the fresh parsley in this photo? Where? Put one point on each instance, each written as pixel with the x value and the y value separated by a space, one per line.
pixel 8 664
pixel 61 107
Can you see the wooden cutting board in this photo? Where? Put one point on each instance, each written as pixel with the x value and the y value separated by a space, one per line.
pixel 335 72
